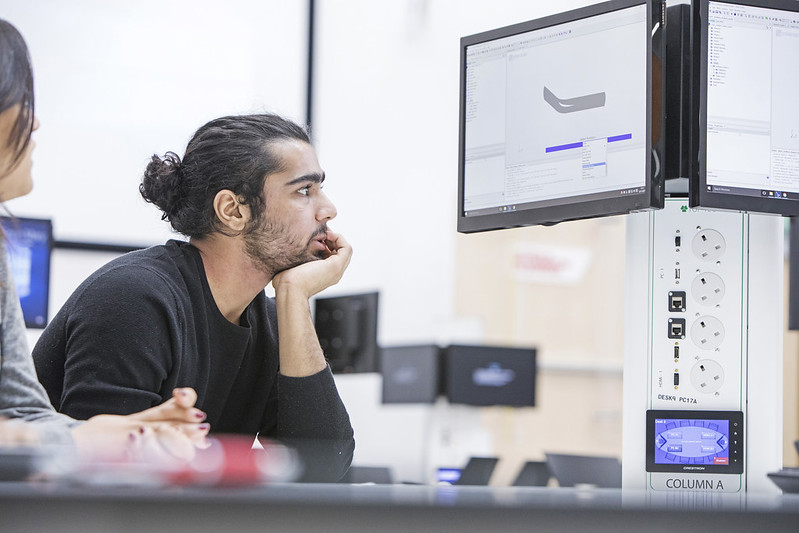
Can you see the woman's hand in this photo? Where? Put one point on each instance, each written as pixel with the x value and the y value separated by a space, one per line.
pixel 15 433
pixel 170 431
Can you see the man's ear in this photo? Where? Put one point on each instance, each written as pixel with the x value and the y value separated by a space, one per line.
pixel 231 213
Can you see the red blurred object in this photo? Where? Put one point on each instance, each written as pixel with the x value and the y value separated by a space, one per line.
pixel 237 460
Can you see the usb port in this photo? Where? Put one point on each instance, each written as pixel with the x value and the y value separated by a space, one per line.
pixel 676 378
pixel 676 273
pixel 677 241
pixel 676 351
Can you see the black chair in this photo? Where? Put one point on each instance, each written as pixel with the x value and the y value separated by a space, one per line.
pixel 380 475
pixel 571 470
pixel 533 474
pixel 477 471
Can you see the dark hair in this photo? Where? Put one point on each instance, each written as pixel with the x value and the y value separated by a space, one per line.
pixel 234 153
pixel 16 86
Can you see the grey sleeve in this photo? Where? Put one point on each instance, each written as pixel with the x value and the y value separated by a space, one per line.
pixel 21 394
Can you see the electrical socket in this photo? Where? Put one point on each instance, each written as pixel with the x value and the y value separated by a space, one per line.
pixel 708 288
pixel 708 245
pixel 707 332
pixel 707 376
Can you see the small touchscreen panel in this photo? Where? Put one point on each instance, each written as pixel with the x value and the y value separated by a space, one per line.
pixel 695 441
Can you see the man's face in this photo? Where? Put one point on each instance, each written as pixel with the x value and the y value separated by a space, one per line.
pixel 15 178
pixel 296 212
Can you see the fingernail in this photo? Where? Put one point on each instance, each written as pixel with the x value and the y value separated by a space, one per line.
pixel 204 427
pixel 141 430
pixel 199 415
pixel 132 437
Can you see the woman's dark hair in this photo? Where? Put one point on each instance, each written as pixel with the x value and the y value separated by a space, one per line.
pixel 16 87
pixel 234 153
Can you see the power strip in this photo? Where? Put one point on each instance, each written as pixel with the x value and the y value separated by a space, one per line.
pixel 698 353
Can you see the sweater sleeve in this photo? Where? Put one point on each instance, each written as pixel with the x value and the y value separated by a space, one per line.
pixel 117 337
pixel 21 394
pixel 313 419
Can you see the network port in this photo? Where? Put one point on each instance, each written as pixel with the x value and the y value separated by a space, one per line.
pixel 676 301
pixel 676 328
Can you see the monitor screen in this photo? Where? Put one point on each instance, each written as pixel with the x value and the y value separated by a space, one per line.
pixel 347 331
pixel 746 112
pixel 694 441
pixel 490 375
pixel 410 373
pixel 561 117
pixel 29 244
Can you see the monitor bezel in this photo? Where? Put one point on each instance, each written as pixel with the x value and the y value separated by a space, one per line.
pixel 699 196
pixel 653 196
pixel 48 226
pixel 733 417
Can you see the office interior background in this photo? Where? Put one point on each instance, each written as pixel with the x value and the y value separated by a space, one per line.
pixel 118 81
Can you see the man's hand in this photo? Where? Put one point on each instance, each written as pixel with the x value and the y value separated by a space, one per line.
pixel 300 353
pixel 315 276
pixel 172 430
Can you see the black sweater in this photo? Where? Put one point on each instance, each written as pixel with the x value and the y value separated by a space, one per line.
pixel 146 323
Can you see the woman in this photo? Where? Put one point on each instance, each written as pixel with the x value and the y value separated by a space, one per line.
pixel 26 415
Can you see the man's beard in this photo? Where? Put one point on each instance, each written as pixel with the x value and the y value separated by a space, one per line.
pixel 272 249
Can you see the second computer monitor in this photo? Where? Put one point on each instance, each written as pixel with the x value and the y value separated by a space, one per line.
pixel 745 111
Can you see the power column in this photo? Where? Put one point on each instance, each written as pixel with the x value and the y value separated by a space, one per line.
pixel 703 350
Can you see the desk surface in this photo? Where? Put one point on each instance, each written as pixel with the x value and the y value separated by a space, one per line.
pixel 339 507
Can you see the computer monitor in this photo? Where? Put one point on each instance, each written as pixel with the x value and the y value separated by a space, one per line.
pixel 561 118
pixel 490 375
pixel 347 331
pixel 29 245
pixel 410 373
pixel 477 471
pixel 573 470
pixel 744 108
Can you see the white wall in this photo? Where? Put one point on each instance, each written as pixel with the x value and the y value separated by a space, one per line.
pixel 118 81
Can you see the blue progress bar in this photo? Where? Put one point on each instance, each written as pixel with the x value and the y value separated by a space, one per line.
pixel 579 144
pixel 622 137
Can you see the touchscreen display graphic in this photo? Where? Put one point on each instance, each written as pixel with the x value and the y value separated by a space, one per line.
pixel 695 441
pixel 686 441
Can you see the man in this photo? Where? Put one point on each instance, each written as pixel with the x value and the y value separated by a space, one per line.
pixel 248 194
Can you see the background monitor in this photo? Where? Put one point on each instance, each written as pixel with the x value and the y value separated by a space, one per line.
pixel 347 331
pixel 410 373
pixel 29 244
pixel 745 109
pixel 573 470
pixel 477 471
pixel 561 118
pixel 490 375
